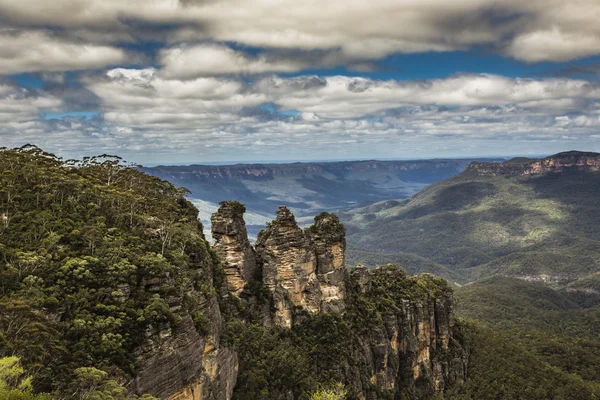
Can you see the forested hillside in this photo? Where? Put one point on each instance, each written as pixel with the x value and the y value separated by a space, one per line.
pixel 521 241
pixel 110 291
pixel 95 258
pixel 494 218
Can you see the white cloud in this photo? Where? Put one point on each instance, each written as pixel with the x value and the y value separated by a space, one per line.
pixel 21 105
pixel 196 101
pixel 38 51
pixel 537 30
pixel 143 99
pixel 150 117
pixel 554 45
pixel 347 97
pixel 20 119
pixel 211 59
pixel 146 116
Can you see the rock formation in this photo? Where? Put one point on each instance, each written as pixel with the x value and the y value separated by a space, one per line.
pixel 411 347
pixel 184 362
pixel 414 349
pixel 232 245
pixel 558 163
pixel 303 270
pixel 328 238
pixel 289 268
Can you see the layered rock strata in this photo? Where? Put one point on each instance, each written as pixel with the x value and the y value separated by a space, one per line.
pixel 328 239
pixel 558 163
pixel 413 350
pixel 186 361
pixel 303 270
pixel 237 256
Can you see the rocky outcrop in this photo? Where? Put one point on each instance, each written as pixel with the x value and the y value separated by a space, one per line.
pixel 328 239
pixel 232 245
pixel 182 364
pixel 302 270
pixel 559 163
pixel 407 347
pixel 289 268
pixel 186 360
pixel 413 349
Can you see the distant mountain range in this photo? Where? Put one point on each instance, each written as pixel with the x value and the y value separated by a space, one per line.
pixel 305 188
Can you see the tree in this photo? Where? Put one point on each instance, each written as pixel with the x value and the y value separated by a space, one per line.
pixel 14 383
pixel 335 391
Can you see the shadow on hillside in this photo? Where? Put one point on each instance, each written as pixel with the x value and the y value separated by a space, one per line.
pixel 451 230
pixel 579 193
pixel 452 198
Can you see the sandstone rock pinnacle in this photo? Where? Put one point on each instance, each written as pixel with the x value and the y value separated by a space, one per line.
pixel 232 245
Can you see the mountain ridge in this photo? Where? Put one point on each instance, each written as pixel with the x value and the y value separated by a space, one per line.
pixel 572 161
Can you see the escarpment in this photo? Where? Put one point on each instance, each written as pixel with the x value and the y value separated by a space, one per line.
pixel 122 290
pixel 185 360
pixel 412 349
pixel 109 271
pixel 575 161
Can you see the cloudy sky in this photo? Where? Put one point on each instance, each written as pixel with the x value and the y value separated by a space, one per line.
pixel 178 81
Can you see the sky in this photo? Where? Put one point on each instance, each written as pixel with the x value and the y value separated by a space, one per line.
pixel 187 81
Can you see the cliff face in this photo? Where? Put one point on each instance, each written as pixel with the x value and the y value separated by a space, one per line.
pixel 181 364
pixel 232 245
pixel 184 362
pixel 328 239
pixel 413 349
pixel 401 341
pixel 558 163
pixel 303 270
pixel 269 171
pixel 289 266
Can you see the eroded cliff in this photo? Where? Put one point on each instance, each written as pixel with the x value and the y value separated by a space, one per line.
pixel 381 333
pixel 185 360
pixel 408 342
pixel 575 161
pixel 232 245
pixel 399 330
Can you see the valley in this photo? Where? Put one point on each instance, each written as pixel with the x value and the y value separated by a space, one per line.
pixel 305 188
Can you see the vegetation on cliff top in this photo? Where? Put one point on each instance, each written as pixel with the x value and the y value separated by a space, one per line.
pixel 93 254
